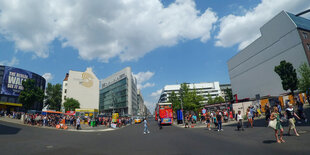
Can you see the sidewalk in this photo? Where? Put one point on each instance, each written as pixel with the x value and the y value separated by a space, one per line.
pixel 84 127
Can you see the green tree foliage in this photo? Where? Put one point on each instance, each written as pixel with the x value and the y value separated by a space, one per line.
pixel 174 99
pixel 230 96
pixel 191 100
pixel 31 94
pixel 304 80
pixel 216 100
pixel 288 76
pixel 71 104
pixel 210 99
pixel 219 99
pixel 53 96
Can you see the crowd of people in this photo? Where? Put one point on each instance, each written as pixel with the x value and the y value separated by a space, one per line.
pixel 275 117
pixel 273 114
pixel 52 120
pixel 215 117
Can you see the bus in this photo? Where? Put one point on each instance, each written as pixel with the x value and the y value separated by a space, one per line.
pixel 164 113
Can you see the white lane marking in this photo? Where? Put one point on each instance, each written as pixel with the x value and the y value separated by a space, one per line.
pixel 90 130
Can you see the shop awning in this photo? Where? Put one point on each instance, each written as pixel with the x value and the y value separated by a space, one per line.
pixel 12 104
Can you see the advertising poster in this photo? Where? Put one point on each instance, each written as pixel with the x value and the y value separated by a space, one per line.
pixel 13 79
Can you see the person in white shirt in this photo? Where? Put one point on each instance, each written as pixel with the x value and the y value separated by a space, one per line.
pixel 146 124
pixel 240 121
pixel 78 123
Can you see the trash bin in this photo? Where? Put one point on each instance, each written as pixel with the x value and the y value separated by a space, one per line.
pixel 92 123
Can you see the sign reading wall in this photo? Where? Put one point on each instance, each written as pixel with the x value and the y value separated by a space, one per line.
pixel 13 79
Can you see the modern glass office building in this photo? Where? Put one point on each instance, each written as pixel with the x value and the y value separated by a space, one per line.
pixel 118 93
pixel 11 79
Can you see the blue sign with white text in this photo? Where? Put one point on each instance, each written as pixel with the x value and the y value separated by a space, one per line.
pixel 13 79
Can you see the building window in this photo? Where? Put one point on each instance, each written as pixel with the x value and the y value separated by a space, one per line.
pixel 308 46
pixel 65 90
pixel 305 35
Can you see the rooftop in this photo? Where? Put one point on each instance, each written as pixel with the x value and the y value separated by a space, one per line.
pixel 300 22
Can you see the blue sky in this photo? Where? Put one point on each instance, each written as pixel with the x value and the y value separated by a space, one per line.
pixel 164 42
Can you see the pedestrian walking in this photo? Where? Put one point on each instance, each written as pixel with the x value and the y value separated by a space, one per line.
pixel 186 121
pixel 300 110
pixel 159 124
pixel 146 124
pixel 240 121
pixel 219 119
pixel 214 121
pixel 208 121
pixel 290 116
pixel 250 117
pixel 275 116
pixel 267 113
pixel 78 121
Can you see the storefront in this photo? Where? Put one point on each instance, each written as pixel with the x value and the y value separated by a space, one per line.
pixel 7 106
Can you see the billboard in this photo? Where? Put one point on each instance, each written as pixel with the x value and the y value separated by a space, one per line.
pixel 13 79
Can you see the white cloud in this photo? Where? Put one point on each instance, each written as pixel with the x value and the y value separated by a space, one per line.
pixel 143 77
pixel 48 76
pixel 13 62
pixel 146 85
pixel 156 94
pixel 103 29
pixel 243 30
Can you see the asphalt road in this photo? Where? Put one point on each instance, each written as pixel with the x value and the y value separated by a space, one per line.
pixel 20 139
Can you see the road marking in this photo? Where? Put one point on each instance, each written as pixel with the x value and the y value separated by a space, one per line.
pixel 49 146
pixel 90 130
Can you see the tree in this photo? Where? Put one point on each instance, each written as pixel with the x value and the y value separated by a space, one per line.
pixel 210 99
pixel 219 99
pixel 191 100
pixel 304 80
pixel 229 96
pixel 288 76
pixel 53 96
pixel 195 100
pixel 174 99
pixel 71 104
pixel 31 94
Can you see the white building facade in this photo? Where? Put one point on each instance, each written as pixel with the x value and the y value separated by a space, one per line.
pixel 141 105
pixel 202 89
pixel 284 37
pixel 82 86
pixel 118 93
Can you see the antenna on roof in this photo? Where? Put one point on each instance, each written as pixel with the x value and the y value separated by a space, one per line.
pixel 304 12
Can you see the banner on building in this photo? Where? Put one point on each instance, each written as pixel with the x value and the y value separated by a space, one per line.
pixel 13 79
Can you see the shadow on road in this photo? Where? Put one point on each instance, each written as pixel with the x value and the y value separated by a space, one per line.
pixel 7 130
pixel 269 141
